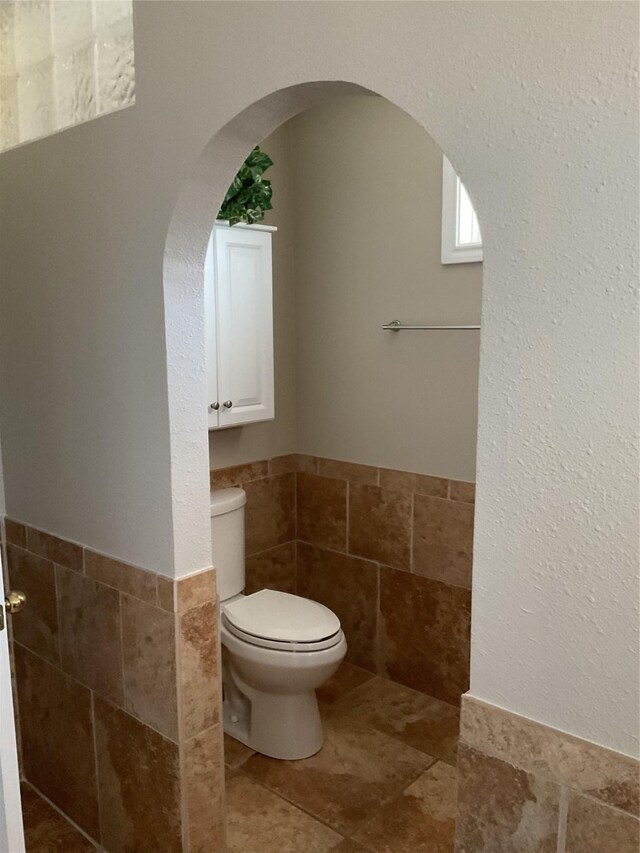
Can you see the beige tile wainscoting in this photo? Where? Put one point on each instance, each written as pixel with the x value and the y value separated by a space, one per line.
pixel 388 551
pixel 527 788
pixel 118 695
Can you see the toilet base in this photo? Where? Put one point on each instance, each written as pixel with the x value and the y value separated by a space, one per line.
pixel 269 695
pixel 287 727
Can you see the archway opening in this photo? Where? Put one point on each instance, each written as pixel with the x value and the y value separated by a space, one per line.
pixel 358 510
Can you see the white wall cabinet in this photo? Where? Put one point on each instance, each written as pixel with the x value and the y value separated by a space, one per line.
pixel 239 325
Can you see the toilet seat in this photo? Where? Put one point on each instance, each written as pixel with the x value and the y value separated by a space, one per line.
pixel 279 620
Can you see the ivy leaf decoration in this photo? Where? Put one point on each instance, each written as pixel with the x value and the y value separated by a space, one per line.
pixel 249 196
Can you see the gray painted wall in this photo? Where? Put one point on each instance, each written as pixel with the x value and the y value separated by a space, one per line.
pixel 368 185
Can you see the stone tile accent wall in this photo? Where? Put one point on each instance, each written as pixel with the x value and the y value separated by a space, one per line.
pixel 389 551
pixel 118 695
pixel 525 787
pixel 270 519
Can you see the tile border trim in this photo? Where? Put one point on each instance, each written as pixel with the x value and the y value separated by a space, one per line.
pixel 585 767
pixel 325 466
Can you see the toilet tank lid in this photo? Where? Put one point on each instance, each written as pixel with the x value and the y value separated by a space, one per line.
pixel 226 500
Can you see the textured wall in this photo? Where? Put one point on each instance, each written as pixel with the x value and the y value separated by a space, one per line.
pixel 103 426
pixel 61 64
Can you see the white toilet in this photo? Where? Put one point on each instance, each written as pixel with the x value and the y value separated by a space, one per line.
pixel 277 648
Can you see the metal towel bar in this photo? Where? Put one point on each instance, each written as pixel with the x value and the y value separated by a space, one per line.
pixel 397 326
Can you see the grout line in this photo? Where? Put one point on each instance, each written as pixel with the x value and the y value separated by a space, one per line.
pixel 378 624
pixel 295 504
pixel 343 554
pixel 412 533
pixel 58 613
pixel 291 802
pixel 102 696
pixel 95 762
pixel 96 844
pixel 347 526
pixel 258 554
pixel 121 637
pixel 295 565
pixel 391 798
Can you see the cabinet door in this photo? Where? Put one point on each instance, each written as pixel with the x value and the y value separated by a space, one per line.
pixel 210 336
pixel 244 325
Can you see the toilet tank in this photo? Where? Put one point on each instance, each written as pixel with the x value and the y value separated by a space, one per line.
pixel 227 540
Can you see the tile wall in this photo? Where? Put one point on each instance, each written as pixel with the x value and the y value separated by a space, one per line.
pixel 62 63
pixel 117 667
pixel 388 551
pixel 525 787
pixel 118 695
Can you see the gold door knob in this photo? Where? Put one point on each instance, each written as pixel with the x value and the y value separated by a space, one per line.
pixel 14 601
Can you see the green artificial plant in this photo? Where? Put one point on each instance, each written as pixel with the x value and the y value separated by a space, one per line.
pixel 249 195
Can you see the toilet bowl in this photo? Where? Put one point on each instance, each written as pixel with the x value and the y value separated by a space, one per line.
pixel 277 648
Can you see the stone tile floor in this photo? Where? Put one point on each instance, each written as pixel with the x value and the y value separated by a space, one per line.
pixel 384 781
pixel 46 830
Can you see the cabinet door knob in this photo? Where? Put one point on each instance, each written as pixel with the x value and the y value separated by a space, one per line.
pixel 227 404
pixel 215 406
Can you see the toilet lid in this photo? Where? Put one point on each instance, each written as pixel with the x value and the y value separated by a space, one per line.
pixel 283 617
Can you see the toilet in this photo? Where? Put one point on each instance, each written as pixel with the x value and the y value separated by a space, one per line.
pixel 277 648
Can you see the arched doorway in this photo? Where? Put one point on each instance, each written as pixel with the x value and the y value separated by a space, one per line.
pixel 213 174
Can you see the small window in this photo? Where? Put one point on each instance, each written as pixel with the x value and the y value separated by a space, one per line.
pixel 461 238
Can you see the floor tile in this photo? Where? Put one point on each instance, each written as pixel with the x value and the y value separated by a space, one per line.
pixel 345 679
pixel 258 821
pixel 45 830
pixel 235 753
pixel 420 820
pixel 345 782
pixel 423 722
